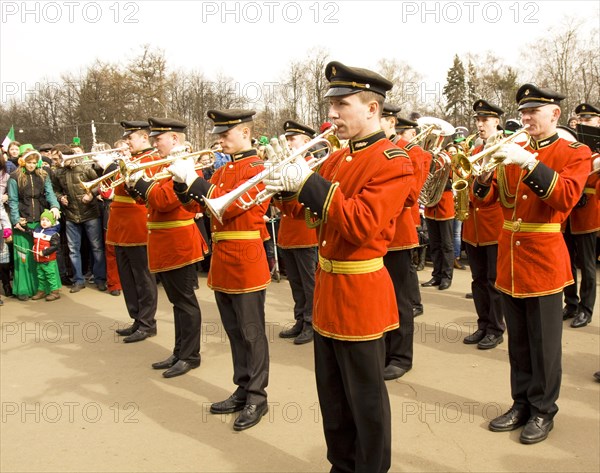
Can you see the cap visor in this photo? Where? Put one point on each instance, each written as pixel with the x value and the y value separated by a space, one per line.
pixel 217 130
pixel 156 133
pixel 532 105
pixel 339 91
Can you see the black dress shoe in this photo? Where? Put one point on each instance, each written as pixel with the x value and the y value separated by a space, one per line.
pixel 444 284
pixel 128 330
pixel 138 336
pixel 393 372
pixel 179 368
pixel 305 336
pixel 292 332
pixel 232 404
pixel 490 341
pixel 475 337
pixel 163 365
pixel 569 313
pixel 536 430
pixel 581 320
pixel 597 376
pixel 417 311
pixel 511 420
pixel 431 283
pixel 469 295
pixel 250 416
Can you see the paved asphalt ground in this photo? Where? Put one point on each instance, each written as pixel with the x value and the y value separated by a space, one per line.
pixel 75 398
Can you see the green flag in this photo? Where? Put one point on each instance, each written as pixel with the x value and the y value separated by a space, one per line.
pixel 9 138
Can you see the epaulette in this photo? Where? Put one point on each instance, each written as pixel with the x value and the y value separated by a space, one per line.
pixel 395 153
pixel 410 146
pixel 575 144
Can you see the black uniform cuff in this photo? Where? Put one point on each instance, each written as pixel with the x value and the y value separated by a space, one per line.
pixel 316 194
pixel 480 190
pixel 181 189
pixel 111 167
pixel 541 180
pixel 197 190
pixel 141 187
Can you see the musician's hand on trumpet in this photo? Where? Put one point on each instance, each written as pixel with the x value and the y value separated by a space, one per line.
pixel 132 175
pixel 104 160
pixel 289 177
pixel 512 153
pixel 184 171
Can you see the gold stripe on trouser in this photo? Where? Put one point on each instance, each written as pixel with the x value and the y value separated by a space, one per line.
pixel 233 235
pixel 519 226
pixel 124 199
pixel 589 190
pixel 169 224
pixel 350 267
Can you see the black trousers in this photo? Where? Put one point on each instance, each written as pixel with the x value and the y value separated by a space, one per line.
pixel 488 303
pixel 582 250
pixel 139 285
pixel 399 342
pixel 534 349
pixel 300 266
pixel 243 316
pixel 441 247
pixel 354 403
pixel 179 286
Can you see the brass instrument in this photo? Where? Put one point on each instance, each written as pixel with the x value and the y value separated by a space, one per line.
pixel 179 152
pixel 433 135
pixel 166 174
pixel 468 165
pixel 70 157
pixel 461 199
pixel 219 205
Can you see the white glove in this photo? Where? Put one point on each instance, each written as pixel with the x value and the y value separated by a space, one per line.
pixel 133 175
pixel 515 154
pixel 289 177
pixel 103 160
pixel 596 164
pixel 183 171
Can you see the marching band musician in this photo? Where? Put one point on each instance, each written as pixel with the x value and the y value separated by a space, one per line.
pixel 174 246
pixel 580 237
pixel 440 226
pixel 406 130
pixel 480 234
pixel 239 272
pixel 357 193
pixel 298 244
pixel 128 234
pixel 541 183
pixel 398 262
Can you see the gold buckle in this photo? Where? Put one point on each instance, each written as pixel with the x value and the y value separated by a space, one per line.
pixel 516 226
pixel 326 265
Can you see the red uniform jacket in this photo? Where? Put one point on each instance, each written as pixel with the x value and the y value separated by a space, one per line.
pixel 358 194
pixel 128 216
pixel 239 262
pixel 586 218
pixel 405 236
pixel 174 240
pixel 536 263
pixel 293 230
pixel 485 221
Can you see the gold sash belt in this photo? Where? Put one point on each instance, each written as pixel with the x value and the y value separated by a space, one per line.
pixel 233 235
pixel 169 224
pixel 519 226
pixel 350 267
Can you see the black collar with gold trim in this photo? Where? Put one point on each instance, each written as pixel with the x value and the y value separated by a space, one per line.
pixel 543 143
pixel 243 154
pixel 363 143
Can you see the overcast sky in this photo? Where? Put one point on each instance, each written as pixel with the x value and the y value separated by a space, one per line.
pixel 254 41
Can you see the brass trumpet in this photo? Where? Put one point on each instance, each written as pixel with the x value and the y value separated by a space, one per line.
pixel 468 165
pixel 219 205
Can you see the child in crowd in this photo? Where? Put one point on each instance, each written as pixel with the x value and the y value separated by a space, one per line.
pixel 5 237
pixel 46 240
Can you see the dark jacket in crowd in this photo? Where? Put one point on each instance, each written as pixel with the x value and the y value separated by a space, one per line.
pixel 67 181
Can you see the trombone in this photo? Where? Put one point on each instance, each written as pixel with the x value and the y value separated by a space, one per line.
pixel 219 205
pixel 70 157
pixel 180 152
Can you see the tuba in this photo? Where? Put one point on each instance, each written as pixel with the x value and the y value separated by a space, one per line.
pixel 434 132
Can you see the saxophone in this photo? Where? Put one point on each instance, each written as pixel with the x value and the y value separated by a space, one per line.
pixel 461 199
